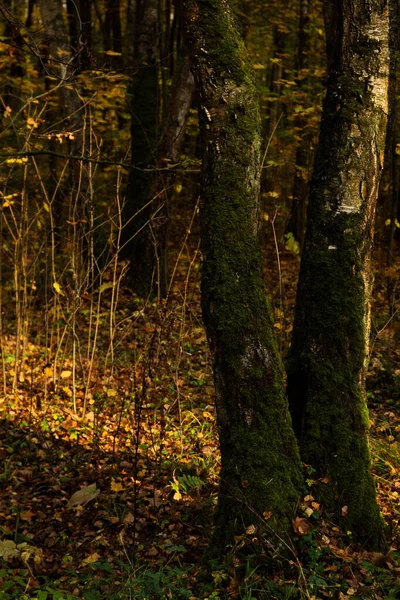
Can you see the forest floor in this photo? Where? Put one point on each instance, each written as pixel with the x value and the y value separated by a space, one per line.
pixel 107 490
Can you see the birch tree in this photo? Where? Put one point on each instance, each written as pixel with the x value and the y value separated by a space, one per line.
pixel 329 352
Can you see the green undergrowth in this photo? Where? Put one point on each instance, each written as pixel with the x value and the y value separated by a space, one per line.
pixel 314 572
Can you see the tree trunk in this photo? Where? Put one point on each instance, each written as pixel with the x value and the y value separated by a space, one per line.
pixel 80 32
pixel 112 32
pixel 62 68
pixel 145 235
pixel 297 221
pixel 328 356
pixel 138 242
pixel 168 153
pixel 261 473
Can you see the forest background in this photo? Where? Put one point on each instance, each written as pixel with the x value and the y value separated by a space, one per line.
pixel 108 433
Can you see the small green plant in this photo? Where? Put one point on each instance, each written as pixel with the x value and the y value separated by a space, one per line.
pixel 185 484
pixel 291 244
pixel 15 585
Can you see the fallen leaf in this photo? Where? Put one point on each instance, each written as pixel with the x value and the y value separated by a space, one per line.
pixel 48 371
pixel 116 486
pixel 65 374
pixel 27 515
pixel 92 558
pixel 8 549
pixel 83 496
pixel 129 518
pixel 251 530
pixel 27 552
pixel 301 526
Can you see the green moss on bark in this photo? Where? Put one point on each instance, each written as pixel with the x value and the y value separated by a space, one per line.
pixel 327 360
pixel 261 470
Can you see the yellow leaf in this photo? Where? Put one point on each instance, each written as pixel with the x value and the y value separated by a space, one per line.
pixel 178 188
pixel 65 374
pixel 58 289
pixel 16 161
pixel 67 391
pixel 48 371
pixel 251 530
pixel 92 558
pixel 32 123
pixel 116 486
pixel 106 286
pixel 112 53
pixel 177 496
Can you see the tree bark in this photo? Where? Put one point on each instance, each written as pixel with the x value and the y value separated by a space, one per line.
pixel 167 155
pixel 328 356
pixel 145 235
pixel 138 243
pixel 261 472
pixel 61 66
pixel 297 221
pixel 113 32
pixel 80 32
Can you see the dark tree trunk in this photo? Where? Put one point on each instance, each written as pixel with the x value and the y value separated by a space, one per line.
pixel 168 152
pixel 80 32
pixel 178 110
pixel 64 68
pixel 137 238
pixel 274 81
pixel 146 207
pixel 261 473
pixel 327 359
pixel 297 222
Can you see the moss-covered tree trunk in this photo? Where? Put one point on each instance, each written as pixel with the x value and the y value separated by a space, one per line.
pixel 327 360
pixel 261 472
